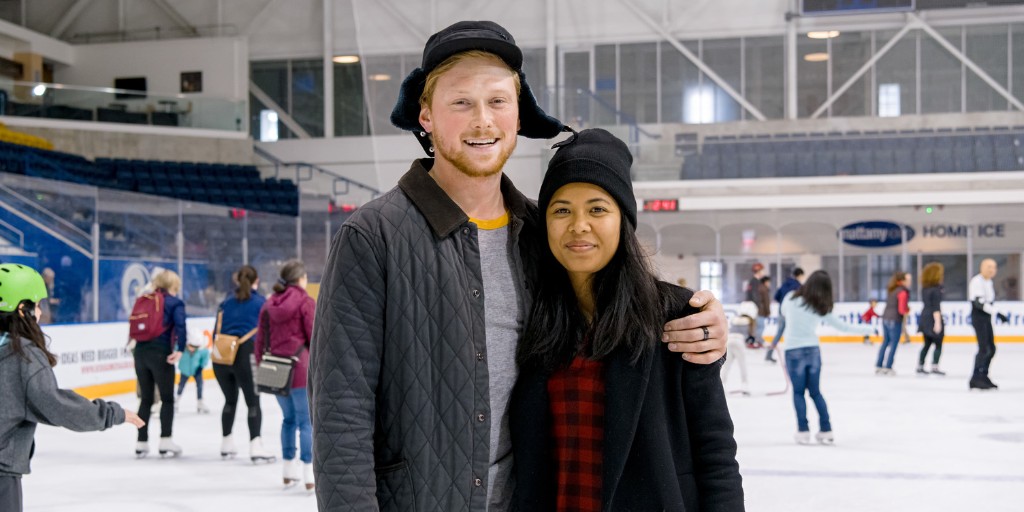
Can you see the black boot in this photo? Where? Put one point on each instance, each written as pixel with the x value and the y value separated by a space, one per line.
pixel 980 382
pixel 989 383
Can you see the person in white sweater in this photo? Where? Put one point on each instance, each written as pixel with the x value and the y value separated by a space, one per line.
pixel 983 296
pixel 805 309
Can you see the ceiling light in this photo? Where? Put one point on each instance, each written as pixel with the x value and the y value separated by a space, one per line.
pixel 39 90
pixel 823 34
pixel 381 77
pixel 346 59
pixel 816 57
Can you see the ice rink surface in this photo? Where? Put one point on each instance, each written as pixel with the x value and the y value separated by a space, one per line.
pixel 905 443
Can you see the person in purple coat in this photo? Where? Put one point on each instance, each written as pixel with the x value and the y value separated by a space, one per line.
pixel 285 328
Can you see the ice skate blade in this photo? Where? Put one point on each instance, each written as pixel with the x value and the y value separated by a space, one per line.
pixel 227 455
pixel 263 460
pixel 169 454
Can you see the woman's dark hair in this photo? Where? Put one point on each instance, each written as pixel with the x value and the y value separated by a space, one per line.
pixel 25 325
pixel 291 272
pixel 629 308
pixel 896 280
pixel 244 278
pixel 817 292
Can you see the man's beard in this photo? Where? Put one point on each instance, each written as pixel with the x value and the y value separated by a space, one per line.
pixel 462 161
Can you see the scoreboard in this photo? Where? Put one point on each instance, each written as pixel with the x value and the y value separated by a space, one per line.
pixel 661 205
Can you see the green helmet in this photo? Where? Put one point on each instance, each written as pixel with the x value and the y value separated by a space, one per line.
pixel 18 283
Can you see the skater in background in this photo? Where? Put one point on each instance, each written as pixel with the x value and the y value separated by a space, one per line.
pixel 238 316
pixel 154 365
pixel 741 328
pixel 286 324
pixel 805 309
pixel 868 316
pixel 982 295
pixel 897 305
pixel 29 387
pixel 754 291
pixel 191 365
pixel 790 284
pixel 930 322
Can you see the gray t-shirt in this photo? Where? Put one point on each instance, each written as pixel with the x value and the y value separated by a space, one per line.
pixel 503 326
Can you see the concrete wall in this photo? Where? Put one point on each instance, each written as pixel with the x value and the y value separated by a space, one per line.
pixel 147 146
pixel 224 63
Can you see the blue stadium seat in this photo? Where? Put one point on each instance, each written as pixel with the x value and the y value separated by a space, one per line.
pixel 805 164
pixel 884 161
pixel 844 164
pixel 710 168
pixel 1007 160
pixel 924 160
pixel 904 160
pixel 963 158
pixel 943 158
pixel 766 165
pixel 824 163
pixel 748 164
pixel 785 164
pixel 984 157
pixel 730 164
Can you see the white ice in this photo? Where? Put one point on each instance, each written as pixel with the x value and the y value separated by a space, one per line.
pixel 904 443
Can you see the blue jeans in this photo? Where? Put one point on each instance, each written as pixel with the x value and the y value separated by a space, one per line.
pixel 891 330
pixel 296 417
pixel 804 367
pixel 759 329
pixel 199 383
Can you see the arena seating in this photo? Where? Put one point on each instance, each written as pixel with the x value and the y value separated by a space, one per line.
pixel 857 153
pixel 236 186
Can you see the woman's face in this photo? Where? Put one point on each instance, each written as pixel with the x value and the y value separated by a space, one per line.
pixel 907 280
pixel 583 224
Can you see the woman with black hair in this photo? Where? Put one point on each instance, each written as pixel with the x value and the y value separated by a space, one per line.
pixel 602 416
pixel 29 387
pixel 804 310
pixel 237 317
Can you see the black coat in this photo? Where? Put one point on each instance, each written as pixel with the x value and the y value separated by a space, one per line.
pixel 668 436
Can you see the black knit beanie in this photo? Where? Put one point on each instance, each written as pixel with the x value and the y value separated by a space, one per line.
pixel 592 156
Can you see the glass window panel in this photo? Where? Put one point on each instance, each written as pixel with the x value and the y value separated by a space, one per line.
pixel 272 78
pixel 350 116
pixel 723 57
pixel 575 86
pixel 940 74
pixel 1007 280
pixel 639 95
pixel 271 244
pixel 678 75
pixel 213 252
pixel 535 69
pixel 986 46
pixel 812 74
pixel 307 95
pixel 1018 61
pixel 765 74
pixel 605 85
pixel 315 213
pixel 850 51
pixel 898 67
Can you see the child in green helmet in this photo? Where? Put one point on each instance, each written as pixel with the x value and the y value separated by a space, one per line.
pixel 29 387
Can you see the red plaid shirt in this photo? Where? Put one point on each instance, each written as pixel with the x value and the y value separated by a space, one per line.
pixel 577 408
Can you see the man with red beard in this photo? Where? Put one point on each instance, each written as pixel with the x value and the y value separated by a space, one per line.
pixel 424 292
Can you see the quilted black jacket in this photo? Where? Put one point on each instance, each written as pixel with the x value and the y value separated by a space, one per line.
pixel 398 373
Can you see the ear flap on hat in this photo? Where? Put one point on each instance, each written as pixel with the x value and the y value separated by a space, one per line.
pixel 406 113
pixel 533 122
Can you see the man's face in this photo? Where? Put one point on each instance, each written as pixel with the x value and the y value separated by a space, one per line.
pixel 473 117
pixel 988 269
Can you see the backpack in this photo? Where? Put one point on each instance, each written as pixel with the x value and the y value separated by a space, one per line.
pixel 147 319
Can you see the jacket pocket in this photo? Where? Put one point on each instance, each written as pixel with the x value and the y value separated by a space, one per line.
pixel 394 487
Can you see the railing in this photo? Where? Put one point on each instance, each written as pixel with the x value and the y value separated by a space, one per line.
pixel 8 232
pixel 299 167
pixel 101 104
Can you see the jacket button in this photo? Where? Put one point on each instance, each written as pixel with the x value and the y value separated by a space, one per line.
pixel 477 482
pixel 465 231
pixel 479 356
pixel 476 293
pixel 481 417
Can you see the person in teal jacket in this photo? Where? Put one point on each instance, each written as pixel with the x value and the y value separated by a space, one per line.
pixel 805 309
pixel 193 360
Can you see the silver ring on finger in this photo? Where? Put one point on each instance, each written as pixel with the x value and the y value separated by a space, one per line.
pixel 706 333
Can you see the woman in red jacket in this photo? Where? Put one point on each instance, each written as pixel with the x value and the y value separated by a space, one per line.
pixel 286 324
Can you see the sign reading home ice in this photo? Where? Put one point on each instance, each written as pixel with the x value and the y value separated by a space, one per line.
pixel 876 233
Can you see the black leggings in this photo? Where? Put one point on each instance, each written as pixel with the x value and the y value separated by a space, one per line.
pixel 151 368
pixel 929 340
pixel 231 378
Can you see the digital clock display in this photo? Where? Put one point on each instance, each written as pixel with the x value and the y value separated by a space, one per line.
pixel 661 205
